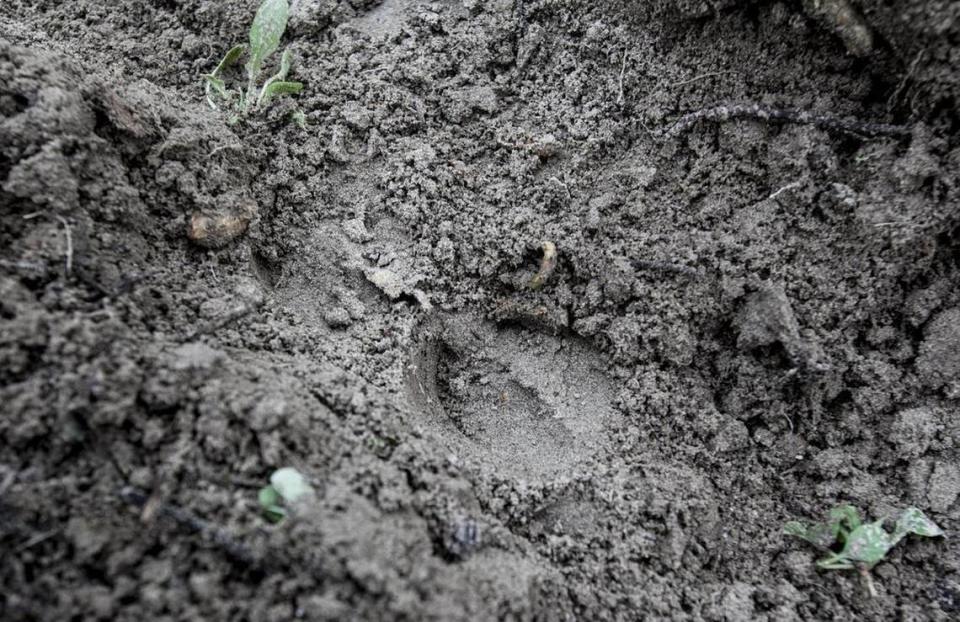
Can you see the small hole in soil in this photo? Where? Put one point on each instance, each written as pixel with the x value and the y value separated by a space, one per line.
pixel 267 270
pixel 520 402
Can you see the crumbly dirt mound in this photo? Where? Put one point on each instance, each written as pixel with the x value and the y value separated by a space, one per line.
pixel 748 321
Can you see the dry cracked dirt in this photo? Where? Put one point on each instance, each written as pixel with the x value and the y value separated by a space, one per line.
pixel 753 314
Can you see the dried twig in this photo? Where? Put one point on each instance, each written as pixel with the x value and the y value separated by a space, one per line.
pixel 37 539
pixel 791 186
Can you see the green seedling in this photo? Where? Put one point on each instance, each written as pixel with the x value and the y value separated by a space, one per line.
pixel 268 26
pixel 287 487
pixel 861 545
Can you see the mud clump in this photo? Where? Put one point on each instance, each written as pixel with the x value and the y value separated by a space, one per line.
pixel 767 318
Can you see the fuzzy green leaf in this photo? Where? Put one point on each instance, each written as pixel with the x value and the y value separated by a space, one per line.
pixel 286 60
pixel 268 27
pixel 835 562
pixel 818 534
pixel 299 119
pixel 214 83
pixel 279 88
pixel 916 522
pixel 269 91
pixel 233 55
pixel 268 496
pixel 290 484
pixel 845 514
pixel 864 545
pixel 867 544
pixel 269 500
pixel 795 528
pixel 215 86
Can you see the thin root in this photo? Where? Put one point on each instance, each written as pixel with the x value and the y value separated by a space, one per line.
pixel 702 76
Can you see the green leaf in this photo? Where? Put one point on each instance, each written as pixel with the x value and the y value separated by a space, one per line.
pixel 867 544
pixel 286 60
pixel 214 83
pixel 835 562
pixel 290 484
pixel 817 534
pixel 268 496
pixel 299 119
pixel 268 26
pixel 845 514
pixel 269 500
pixel 215 86
pixel 232 56
pixel 269 91
pixel 795 528
pixel 916 522
pixel 279 88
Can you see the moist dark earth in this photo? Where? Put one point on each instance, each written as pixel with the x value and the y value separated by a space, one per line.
pixel 749 321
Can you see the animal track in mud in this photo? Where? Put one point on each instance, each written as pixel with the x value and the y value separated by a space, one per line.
pixel 522 404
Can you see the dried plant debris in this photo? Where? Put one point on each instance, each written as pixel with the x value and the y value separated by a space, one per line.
pixel 547 265
pixel 216 230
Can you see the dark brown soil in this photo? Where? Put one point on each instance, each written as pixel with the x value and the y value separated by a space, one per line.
pixel 750 321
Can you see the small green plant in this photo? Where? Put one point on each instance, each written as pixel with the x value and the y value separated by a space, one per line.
pixel 268 26
pixel 287 487
pixel 861 545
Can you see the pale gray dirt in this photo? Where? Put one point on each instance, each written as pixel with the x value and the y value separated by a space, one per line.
pixel 520 404
pixel 748 322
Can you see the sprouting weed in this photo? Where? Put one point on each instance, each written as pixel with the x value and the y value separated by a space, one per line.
pixel 298 118
pixel 287 487
pixel 862 545
pixel 268 27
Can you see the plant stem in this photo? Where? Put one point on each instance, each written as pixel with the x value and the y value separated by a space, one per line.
pixel 868 578
pixel 250 99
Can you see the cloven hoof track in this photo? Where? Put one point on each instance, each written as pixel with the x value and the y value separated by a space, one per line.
pixel 519 403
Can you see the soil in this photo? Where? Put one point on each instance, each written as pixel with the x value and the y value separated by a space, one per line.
pixel 749 321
